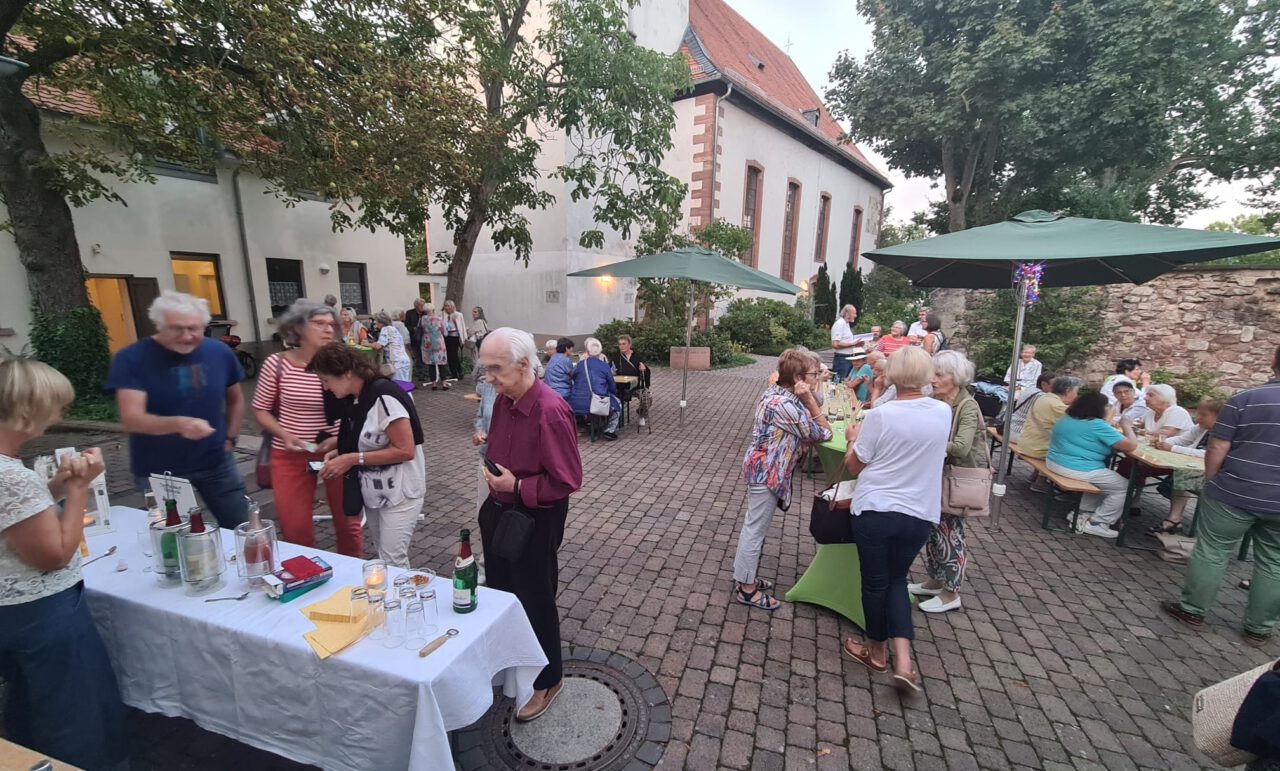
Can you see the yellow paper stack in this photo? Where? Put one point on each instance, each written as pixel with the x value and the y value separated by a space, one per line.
pixel 337 626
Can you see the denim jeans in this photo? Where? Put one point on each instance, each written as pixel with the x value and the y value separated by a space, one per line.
pixel 62 698
pixel 222 490
pixel 888 542
pixel 841 366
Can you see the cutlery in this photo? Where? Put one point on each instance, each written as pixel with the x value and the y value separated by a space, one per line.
pixel 232 599
pixel 106 553
pixel 430 647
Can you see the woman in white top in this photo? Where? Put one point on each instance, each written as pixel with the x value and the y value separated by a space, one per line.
pixel 896 453
pixel 455 331
pixel 392 345
pixel 62 699
pixel 1182 485
pixel 379 454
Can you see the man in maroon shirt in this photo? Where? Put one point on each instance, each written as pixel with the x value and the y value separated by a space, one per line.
pixel 533 440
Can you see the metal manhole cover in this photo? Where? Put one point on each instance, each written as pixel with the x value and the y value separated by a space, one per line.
pixel 610 713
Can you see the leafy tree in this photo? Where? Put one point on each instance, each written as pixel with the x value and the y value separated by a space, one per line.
pixel 665 299
pixel 851 288
pixel 1067 105
pixel 890 296
pixel 1252 225
pixel 824 298
pixel 357 100
pixel 580 73
pixel 1063 325
pixel 768 327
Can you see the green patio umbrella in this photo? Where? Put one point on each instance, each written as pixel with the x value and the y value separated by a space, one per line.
pixel 693 263
pixel 1073 251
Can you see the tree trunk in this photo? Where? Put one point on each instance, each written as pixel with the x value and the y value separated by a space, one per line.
pixel 465 249
pixel 40 217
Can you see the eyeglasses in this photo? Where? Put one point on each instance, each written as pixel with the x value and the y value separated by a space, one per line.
pixel 813 374
pixel 184 329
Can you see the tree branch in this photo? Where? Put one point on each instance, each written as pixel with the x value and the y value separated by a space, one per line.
pixel 10 10
pixel 1177 164
pixel 516 23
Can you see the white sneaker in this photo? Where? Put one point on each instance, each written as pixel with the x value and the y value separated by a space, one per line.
pixel 1102 531
pixel 936 605
pixel 919 591
pixel 1079 523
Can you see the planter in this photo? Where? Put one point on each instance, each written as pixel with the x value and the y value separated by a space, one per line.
pixel 697 358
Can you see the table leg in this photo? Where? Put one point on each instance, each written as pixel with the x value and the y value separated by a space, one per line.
pixel 1135 477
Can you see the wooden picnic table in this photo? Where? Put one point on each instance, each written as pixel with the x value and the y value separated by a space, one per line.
pixel 1160 461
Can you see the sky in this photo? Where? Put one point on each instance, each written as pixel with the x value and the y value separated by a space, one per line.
pixel 818 30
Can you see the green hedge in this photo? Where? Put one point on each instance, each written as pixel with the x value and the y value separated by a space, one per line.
pixel 653 342
pixel 75 343
pixel 768 327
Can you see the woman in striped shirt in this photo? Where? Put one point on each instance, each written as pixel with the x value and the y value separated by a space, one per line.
pixel 289 404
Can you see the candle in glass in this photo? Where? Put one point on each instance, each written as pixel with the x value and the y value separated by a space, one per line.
pixel 375 575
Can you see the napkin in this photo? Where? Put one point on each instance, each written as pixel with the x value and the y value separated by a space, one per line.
pixel 336 628
pixel 336 608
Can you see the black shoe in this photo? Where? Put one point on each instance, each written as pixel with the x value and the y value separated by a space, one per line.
pixel 610 435
pixel 1174 609
pixel 1168 527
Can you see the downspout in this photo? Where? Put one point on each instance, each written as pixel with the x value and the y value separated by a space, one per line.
pixel 244 250
pixel 715 152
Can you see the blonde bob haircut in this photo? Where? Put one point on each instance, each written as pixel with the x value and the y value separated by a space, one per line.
pixel 33 395
pixel 909 368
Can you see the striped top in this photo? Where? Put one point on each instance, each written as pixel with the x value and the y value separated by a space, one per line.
pixel 1250 475
pixel 301 402
pixel 782 427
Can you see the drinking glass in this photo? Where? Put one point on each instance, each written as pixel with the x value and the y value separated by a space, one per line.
pixel 415 625
pixel 430 612
pixel 359 603
pixel 393 625
pixel 377 615
pixel 144 540
pixel 375 575
pixel 399 583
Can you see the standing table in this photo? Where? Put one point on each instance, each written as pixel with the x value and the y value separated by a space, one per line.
pixel 242 669
pixel 1162 461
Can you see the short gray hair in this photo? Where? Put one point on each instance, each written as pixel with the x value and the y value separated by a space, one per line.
pixel 1028 347
pixel 902 324
pixel 383 318
pixel 1167 393
pixel 291 322
pixel 593 346
pixel 181 303
pixel 1065 384
pixel 519 345
pixel 955 364
pixel 397 314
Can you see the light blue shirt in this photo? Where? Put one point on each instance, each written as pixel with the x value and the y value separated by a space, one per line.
pixel 559 375
pixel 1082 445
pixel 865 388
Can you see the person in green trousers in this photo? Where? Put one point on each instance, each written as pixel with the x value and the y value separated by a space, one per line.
pixel 1241 497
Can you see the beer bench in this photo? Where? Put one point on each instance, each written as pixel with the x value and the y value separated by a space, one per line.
pixel 1076 487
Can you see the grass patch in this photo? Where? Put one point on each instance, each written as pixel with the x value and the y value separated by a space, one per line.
pixel 98 409
pixel 735 360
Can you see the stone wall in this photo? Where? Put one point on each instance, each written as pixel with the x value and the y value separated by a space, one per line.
pixel 1222 319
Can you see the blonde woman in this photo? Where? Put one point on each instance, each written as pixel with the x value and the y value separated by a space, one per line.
pixel 353 332
pixel 455 331
pixel 62 695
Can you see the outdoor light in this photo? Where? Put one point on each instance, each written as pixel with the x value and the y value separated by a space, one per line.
pixel 11 66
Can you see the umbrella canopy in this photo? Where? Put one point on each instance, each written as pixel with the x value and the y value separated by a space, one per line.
pixel 1076 252
pixel 695 263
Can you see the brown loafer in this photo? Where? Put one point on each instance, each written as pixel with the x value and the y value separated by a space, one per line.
pixel 1174 608
pixel 540 703
pixel 1255 639
pixel 908 683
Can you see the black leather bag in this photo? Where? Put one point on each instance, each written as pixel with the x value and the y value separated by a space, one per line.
pixel 830 522
pixel 512 535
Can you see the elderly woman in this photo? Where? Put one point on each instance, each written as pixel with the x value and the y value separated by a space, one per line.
pixel 559 374
pixel 1164 418
pixel 945 554
pixel 593 379
pixel 896 339
pixel 61 693
pixel 393 347
pixel 932 340
pixel 397 321
pixel 353 332
pixel 896 452
pixel 788 417
pixel 1079 446
pixel 293 409
pixel 1180 486
pixel 434 350
pixel 379 454
pixel 479 328
pixel 455 331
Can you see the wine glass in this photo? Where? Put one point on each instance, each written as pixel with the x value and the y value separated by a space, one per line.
pixel 144 540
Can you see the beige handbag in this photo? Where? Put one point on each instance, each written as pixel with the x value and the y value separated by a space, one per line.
pixel 966 492
pixel 1213 713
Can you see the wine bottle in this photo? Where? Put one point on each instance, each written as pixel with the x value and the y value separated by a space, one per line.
pixel 257 547
pixel 195 550
pixel 169 540
pixel 465 576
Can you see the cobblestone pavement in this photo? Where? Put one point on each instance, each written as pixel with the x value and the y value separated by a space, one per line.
pixel 1061 658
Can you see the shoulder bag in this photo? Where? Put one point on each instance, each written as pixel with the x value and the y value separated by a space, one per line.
pixel 1213 714
pixel 830 520
pixel 966 492
pixel 262 467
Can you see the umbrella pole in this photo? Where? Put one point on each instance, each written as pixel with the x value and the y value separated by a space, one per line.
pixel 999 488
pixel 688 341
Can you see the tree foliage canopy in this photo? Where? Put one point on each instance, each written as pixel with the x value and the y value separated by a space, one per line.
pixel 1099 109
pixel 1063 325
pixel 667 299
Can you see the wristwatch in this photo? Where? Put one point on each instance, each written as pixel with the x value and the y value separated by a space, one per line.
pixel 361 458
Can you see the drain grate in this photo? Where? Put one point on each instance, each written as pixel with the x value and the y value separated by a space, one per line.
pixel 640 734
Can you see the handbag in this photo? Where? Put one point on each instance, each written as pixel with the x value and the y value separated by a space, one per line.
pixel 1213 713
pixel 512 535
pixel 830 520
pixel 600 405
pixel 262 466
pixel 966 492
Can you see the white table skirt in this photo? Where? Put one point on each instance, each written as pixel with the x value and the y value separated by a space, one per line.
pixel 242 669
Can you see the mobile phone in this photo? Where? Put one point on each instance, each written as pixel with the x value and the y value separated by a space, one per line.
pixel 492 467
pixel 314 466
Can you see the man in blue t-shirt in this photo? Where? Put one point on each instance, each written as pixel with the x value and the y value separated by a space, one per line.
pixel 179 398
pixel 1241 497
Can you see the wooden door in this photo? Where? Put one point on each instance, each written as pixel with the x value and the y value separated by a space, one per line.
pixel 142 292
pixel 110 296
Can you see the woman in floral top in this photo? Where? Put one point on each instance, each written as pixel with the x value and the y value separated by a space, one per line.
pixel 787 418
pixel 434 354
pixel 62 698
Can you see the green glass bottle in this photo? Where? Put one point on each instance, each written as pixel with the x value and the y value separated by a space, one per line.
pixel 466 575
pixel 169 541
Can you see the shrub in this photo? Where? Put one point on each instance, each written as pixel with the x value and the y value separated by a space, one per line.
pixel 75 343
pixel 1063 326
pixel 653 342
pixel 1191 386
pixel 768 327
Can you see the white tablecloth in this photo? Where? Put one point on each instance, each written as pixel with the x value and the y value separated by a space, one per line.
pixel 242 669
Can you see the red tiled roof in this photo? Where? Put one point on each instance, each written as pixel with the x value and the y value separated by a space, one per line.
pixel 47 97
pixel 737 48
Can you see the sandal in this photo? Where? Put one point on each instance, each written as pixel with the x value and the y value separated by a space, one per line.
pixel 763 584
pixel 864 658
pixel 908 683
pixel 1167 527
pixel 445 387
pixel 756 599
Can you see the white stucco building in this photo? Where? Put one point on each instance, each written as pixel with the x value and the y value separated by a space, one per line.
pixel 216 233
pixel 757 149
